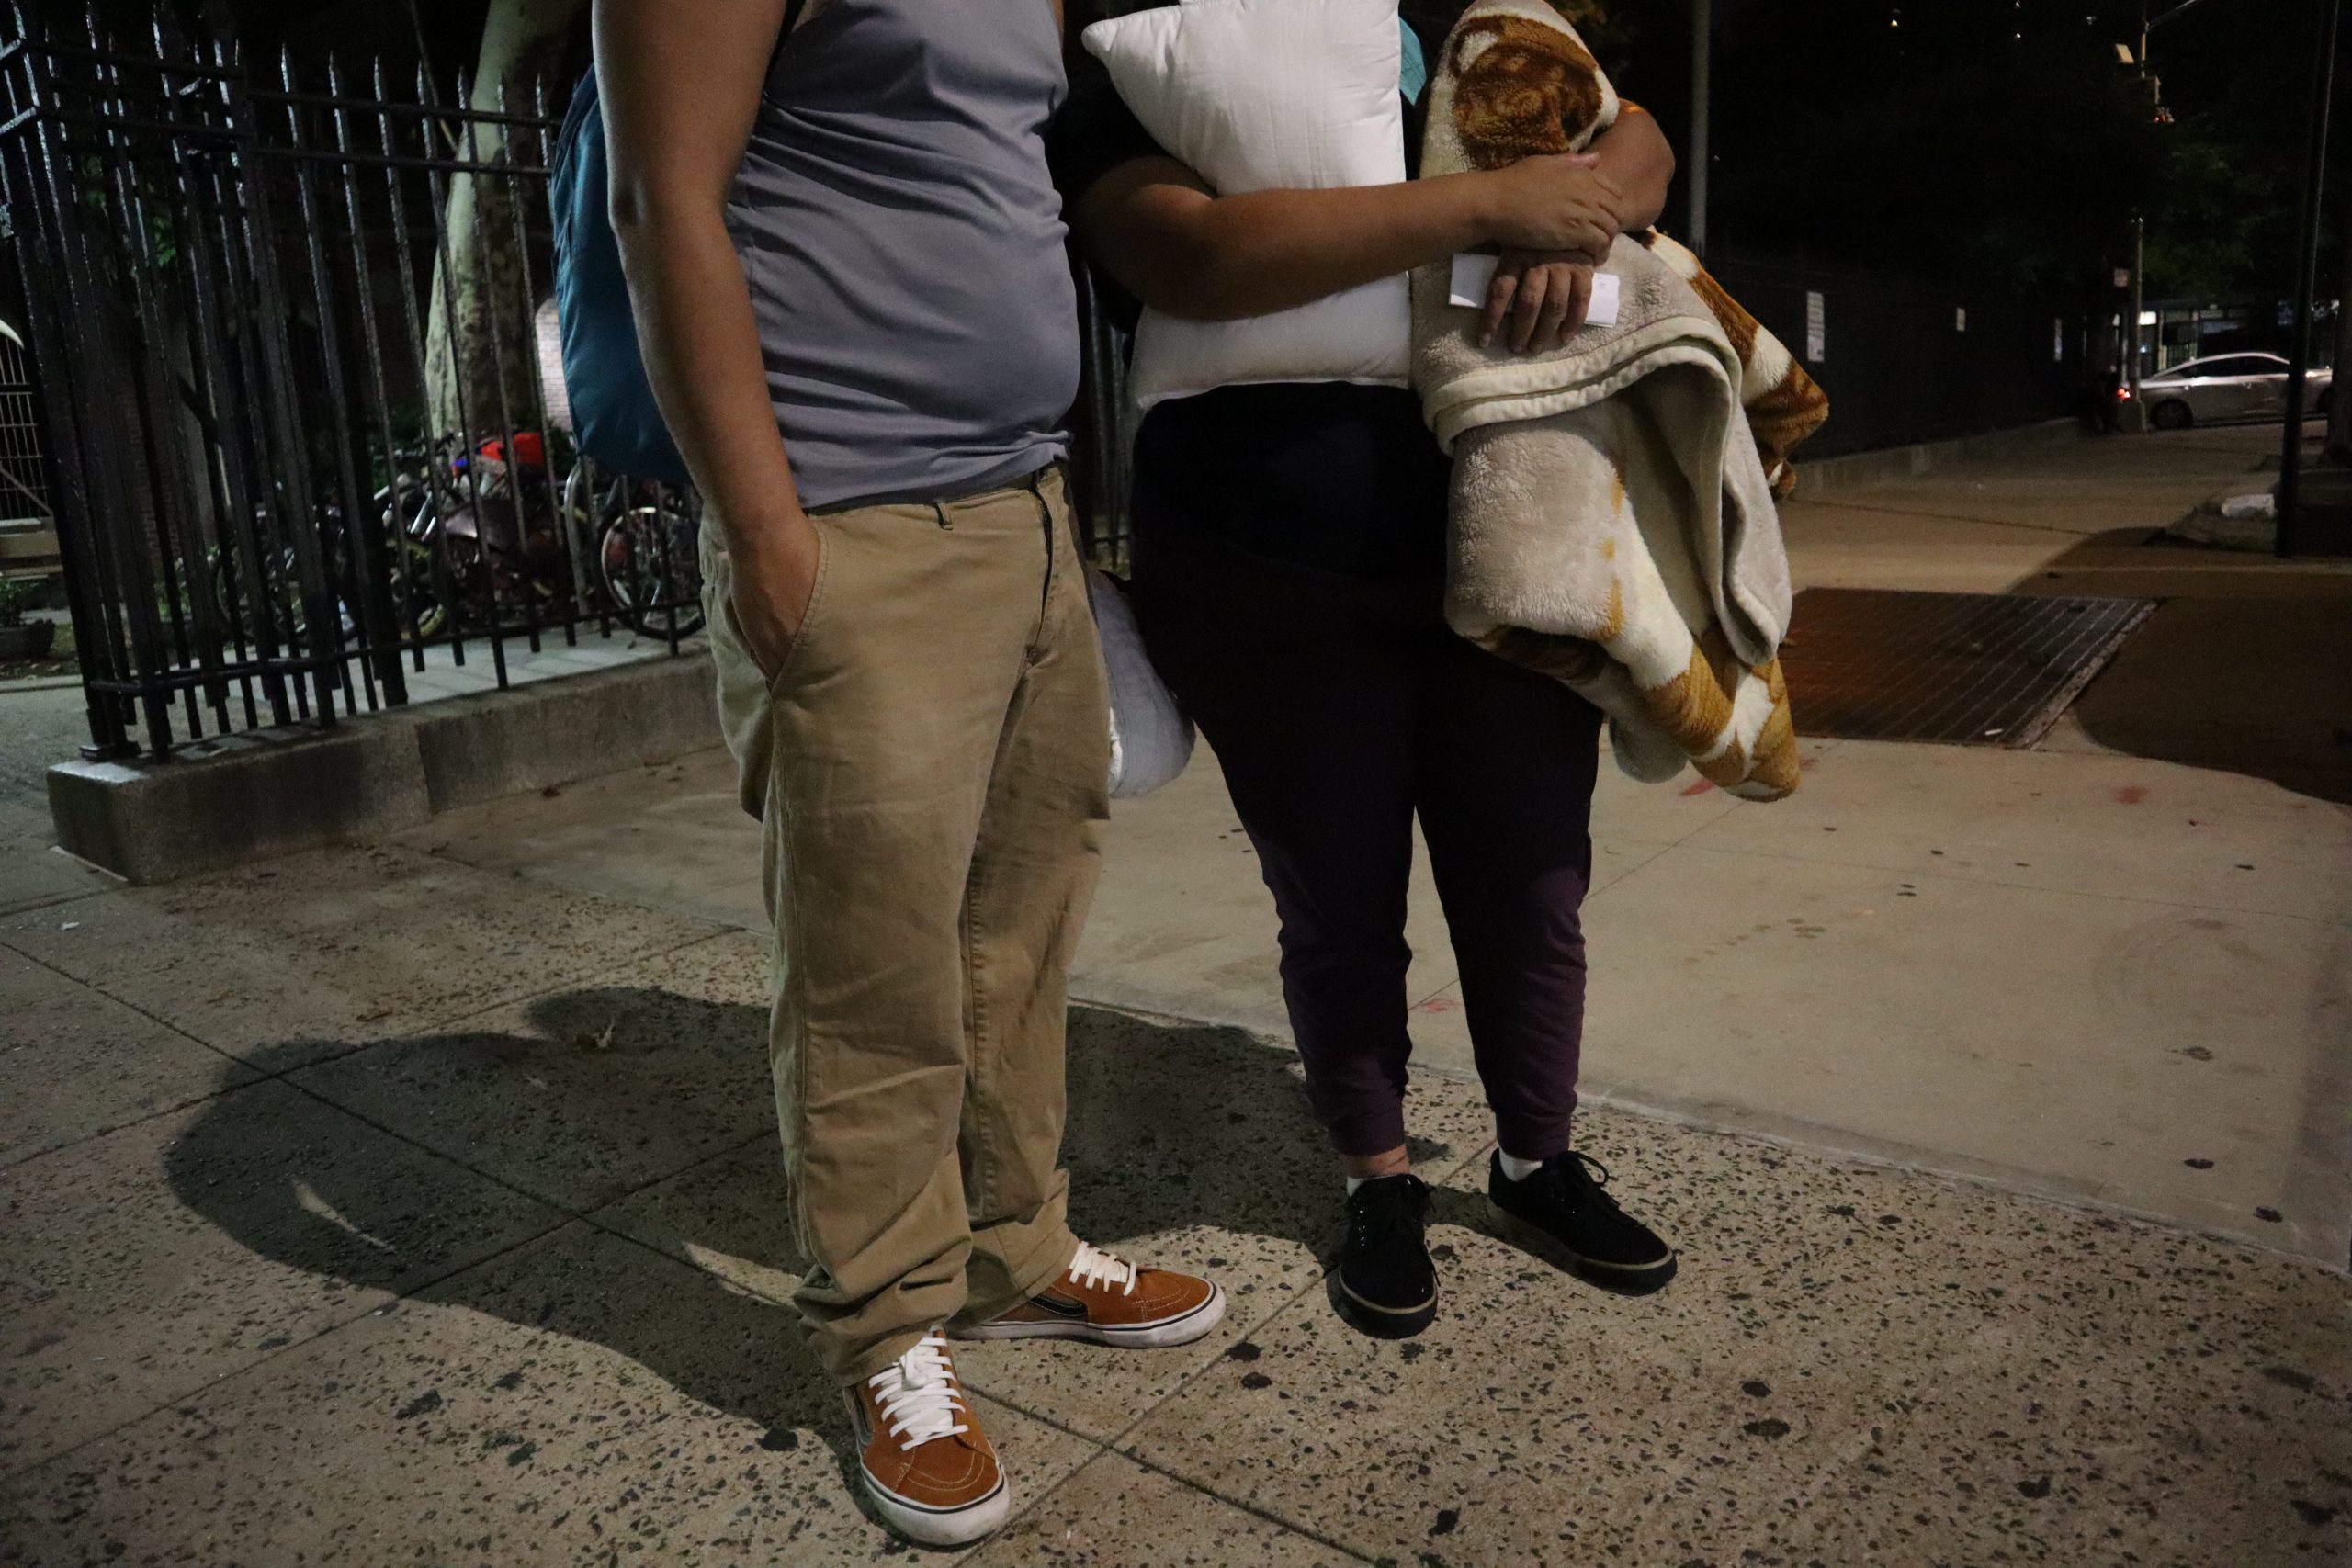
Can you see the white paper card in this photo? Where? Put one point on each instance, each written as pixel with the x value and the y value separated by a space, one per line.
pixel 1473 273
pixel 1603 313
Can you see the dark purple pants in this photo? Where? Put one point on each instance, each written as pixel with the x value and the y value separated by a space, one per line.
pixel 1338 709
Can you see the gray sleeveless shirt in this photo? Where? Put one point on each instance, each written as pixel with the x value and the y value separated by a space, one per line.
pixel 902 241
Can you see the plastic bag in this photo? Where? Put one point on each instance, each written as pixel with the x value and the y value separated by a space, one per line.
pixel 1150 738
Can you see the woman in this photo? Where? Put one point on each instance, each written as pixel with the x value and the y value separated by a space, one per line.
pixel 1289 563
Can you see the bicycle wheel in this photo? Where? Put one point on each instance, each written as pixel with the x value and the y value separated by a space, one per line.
pixel 406 510
pixel 647 561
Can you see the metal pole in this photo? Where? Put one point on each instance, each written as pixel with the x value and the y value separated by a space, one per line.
pixel 1702 43
pixel 2132 328
pixel 2290 454
pixel 2131 335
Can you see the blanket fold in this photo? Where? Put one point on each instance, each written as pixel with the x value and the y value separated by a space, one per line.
pixel 1612 521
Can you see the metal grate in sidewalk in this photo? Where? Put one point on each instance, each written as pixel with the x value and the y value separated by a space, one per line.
pixel 1961 669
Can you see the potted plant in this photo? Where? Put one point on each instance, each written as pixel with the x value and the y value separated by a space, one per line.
pixel 21 639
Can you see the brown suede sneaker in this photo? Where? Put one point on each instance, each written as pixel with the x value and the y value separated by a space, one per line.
pixel 1108 1301
pixel 927 1465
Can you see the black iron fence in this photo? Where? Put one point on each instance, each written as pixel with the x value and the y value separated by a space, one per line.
pixel 23 471
pixel 291 331
pixel 1906 359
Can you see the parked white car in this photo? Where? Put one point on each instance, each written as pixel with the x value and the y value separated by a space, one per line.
pixel 2226 386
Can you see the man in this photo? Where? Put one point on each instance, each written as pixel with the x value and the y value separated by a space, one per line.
pixel 845 256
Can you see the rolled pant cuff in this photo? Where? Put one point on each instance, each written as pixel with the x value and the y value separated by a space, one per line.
pixel 1056 1260
pixel 1361 1136
pixel 880 1354
pixel 1049 1263
pixel 1532 1140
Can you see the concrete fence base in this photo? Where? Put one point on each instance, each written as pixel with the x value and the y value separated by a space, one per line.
pixel 1827 476
pixel 245 798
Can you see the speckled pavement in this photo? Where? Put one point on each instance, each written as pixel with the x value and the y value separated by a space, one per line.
pixel 365 1208
pixel 417 1202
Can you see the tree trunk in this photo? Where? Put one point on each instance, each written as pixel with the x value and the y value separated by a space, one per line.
pixel 2339 409
pixel 481 369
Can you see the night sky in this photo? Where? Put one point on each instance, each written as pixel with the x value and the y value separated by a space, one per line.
pixel 1843 127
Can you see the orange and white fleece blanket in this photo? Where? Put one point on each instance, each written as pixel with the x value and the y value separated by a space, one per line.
pixel 1612 519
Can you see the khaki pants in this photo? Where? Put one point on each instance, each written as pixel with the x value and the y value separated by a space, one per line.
pixel 929 769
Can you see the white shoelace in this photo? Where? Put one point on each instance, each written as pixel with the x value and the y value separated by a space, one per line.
pixel 1095 1269
pixel 919 1396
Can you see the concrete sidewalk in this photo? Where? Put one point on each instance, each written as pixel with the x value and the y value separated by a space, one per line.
pixel 417 1202
pixel 2083 971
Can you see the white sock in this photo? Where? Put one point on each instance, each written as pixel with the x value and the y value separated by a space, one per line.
pixel 1516 1168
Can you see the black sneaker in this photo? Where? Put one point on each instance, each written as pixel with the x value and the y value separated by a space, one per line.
pixel 1564 1213
pixel 1385 1284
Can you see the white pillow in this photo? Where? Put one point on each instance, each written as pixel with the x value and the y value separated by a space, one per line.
pixel 1268 94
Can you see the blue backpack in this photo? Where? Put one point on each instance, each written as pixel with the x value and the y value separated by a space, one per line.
pixel 614 421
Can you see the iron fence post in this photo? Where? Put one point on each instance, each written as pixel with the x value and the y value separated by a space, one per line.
pixel 297 513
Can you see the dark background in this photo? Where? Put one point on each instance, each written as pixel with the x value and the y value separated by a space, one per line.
pixel 1906 162
pixel 1997 143
pixel 2000 140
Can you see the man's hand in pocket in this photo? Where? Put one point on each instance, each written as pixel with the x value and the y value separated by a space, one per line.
pixel 774 576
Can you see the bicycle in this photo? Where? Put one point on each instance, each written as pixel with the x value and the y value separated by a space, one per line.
pixel 483 538
pixel 645 548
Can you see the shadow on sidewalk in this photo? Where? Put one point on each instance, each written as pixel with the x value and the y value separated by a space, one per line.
pixel 2242 668
pixel 1172 1126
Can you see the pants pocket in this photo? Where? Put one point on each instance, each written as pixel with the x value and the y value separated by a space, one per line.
pixel 728 643
pixel 811 617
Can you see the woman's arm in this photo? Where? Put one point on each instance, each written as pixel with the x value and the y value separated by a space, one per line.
pixel 1543 296
pixel 680 87
pixel 1179 247
pixel 1637 158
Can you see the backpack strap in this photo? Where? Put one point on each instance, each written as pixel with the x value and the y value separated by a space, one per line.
pixel 792 17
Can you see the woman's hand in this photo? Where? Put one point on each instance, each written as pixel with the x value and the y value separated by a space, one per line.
pixel 1537 298
pixel 1555 202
